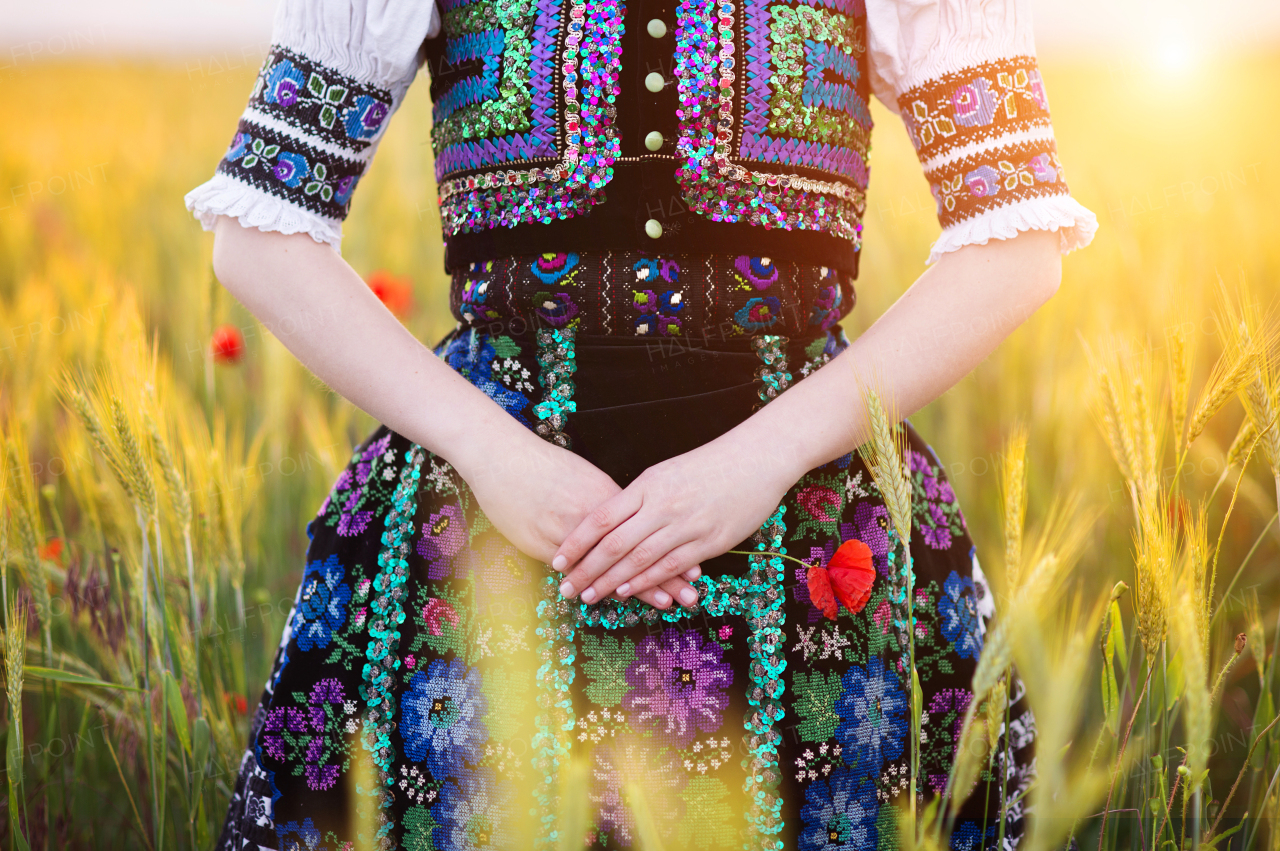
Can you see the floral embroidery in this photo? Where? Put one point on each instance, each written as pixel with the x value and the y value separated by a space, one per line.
pixel 360 492
pixel 958 609
pixel 322 607
pixel 678 685
pixel 441 717
pixel 873 712
pixel 840 814
pixel 443 534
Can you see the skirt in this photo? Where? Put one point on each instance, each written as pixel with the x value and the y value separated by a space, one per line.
pixel 433 690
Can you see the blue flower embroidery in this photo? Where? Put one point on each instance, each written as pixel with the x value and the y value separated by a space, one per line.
pixel 290 168
pixel 759 313
pixel 283 82
pixel 308 835
pixel 873 713
pixel 472 356
pixel 958 608
pixel 239 146
pixel 322 609
pixel 473 813
pixel 441 723
pixel 839 814
pixel 362 119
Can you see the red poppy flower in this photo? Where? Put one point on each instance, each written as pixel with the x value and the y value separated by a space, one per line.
pixel 236 702
pixel 51 551
pixel 847 578
pixel 227 344
pixel 396 292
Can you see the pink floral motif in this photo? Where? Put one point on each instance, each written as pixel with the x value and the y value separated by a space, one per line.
pixel 974 103
pixel 983 181
pixel 436 612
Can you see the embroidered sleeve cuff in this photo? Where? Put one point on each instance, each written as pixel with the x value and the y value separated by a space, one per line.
pixel 985 141
pixel 1074 223
pixel 302 144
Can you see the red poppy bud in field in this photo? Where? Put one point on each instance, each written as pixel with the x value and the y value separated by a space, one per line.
pixel 236 702
pixel 51 551
pixel 847 578
pixel 396 292
pixel 227 344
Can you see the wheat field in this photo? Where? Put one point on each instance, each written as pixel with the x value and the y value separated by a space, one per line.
pixel 153 496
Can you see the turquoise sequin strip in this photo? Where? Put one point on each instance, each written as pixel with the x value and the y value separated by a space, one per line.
pixel 384 637
pixel 902 582
pixel 773 374
pixel 556 367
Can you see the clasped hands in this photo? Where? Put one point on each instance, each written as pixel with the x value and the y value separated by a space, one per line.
pixel 646 540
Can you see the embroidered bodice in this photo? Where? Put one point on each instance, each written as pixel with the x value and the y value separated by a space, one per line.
pixel 673 126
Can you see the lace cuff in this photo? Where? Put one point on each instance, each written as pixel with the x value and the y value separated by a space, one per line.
pixel 1074 223
pixel 224 195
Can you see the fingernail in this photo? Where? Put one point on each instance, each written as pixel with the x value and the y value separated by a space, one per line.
pixel 589 596
pixel 693 573
pixel 558 563
pixel 663 598
pixel 566 590
pixel 688 596
pixel 624 589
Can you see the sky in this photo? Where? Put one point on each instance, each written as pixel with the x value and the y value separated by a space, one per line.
pixel 1170 30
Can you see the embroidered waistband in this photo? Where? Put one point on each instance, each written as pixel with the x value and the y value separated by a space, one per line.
pixel 717 296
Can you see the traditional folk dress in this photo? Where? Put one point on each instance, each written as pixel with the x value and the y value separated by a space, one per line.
pixel 652 213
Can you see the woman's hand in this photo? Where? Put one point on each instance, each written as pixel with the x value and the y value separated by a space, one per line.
pixel 536 493
pixel 677 513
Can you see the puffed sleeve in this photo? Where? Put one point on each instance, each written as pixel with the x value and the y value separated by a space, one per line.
pixel 963 76
pixel 336 72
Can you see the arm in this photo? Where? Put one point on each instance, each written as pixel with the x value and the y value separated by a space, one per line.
pixel 321 310
pixel 699 504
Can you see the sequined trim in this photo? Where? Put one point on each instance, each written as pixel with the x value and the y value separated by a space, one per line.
pixel 384 637
pixel 974 105
pixel 716 186
pixel 556 367
pixel 772 374
pixel 511 34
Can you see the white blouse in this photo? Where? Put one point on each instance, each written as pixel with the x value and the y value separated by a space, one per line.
pixel 911 43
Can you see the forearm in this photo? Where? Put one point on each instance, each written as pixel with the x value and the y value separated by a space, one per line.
pixel 950 319
pixel 321 310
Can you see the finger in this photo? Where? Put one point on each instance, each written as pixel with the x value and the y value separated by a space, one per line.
pixel 671 588
pixel 612 548
pixel 644 550
pixel 602 520
pixel 667 574
pixel 666 567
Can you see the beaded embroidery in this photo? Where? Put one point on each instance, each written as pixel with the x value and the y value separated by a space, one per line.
pixel 307 134
pixel 508 114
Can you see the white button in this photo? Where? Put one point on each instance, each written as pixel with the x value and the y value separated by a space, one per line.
pixel 654 140
pixel 657 28
pixel 654 82
pixel 653 228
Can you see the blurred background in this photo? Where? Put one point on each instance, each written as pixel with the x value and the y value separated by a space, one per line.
pixel 140 405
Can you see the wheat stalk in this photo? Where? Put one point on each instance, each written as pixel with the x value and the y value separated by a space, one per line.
pixel 1013 502
pixel 1180 378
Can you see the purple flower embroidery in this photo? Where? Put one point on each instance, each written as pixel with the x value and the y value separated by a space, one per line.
pixel 974 104
pixel 345 187
pixel 655 771
pixel 444 533
pixel 760 272
pixel 1043 169
pixel 652 269
pixel 290 169
pixel 871 519
pixel 556 308
pixel 678 682
pixel 1036 87
pixel 982 181
pixel 349 490
pixel 283 82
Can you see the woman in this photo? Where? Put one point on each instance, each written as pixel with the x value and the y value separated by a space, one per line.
pixel 573 588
